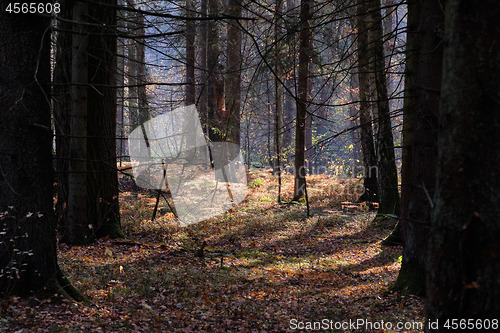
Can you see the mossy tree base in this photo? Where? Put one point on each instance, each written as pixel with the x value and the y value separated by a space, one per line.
pixel 395 238
pixel 388 221
pixel 60 285
pixel 411 280
pixel 112 231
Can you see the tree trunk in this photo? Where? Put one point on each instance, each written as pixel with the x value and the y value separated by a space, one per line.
pixel 365 119
pixel 463 261
pixel 301 100
pixel 288 115
pixel 215 83
pixel 93 208
pixel 425 57
pixel 78 230
pixel 136 69
pixel 203 72
pixel 190 54
pixel 62 110
pixel 233 77
pixel 120 82
pixel 278 95
pixel 354 121
pixel 388 176
pixel 28 259
pixel 103 206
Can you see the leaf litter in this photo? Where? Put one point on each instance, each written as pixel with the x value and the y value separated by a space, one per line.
pixel 254 269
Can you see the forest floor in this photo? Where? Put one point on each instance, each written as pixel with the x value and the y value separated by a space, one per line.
pixel 266 267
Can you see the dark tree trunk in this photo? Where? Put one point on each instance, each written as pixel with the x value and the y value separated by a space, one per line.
pixel 93 209
pixel 357 154
pixel 308 144
pixel 201 101
pixel 62 110
pixel 387 172
pixel 301 100
pixel 278 96
pixel 233 77
pixel 365 119
pixel 120 82
pixel 103 207
pixel 215 82
pixel 322 125
pixel 142 98
pixel 425 57
pixel 288 116
pixel 77 226
pixel 463 261
pixel 132 66
pixel 190 54
pixel 28 259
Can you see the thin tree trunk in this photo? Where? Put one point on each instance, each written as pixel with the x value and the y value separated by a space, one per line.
pixel 77 227
pixel 301 100
pixel 365 118
pixel 62 110
pixel 132 67
pixel 120 81
pixel 215 83
pixel 203 86
pixel 233 77
pixel 388 176
pixel 354 117
pixel 278 95
pixel 103 209
pixel 190 54
pixel 288 115
pixel 142 99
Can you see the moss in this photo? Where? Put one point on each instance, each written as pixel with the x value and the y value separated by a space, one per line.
pixel 60 285
pixel 113 230
pixel 386 221
pixel 411 279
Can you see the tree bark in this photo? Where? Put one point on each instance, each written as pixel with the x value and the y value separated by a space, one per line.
pixel 215 82
pixel 78 229
pixel 302 100
pixel 463 261
pixel 103 206
pixel 423 82
pixel 190 54
pixel 62 110
pixel 365 118
pixel 233 76
pixel 120 82
pixel 93 208
pixel 203 72
pixel 28 259
pixel 278 95
pixel 387 172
